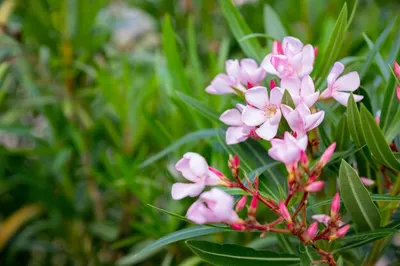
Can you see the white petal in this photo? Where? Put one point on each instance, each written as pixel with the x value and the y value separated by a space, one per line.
pixel 232 68
pixel 182 190
pixel 257 97
pixel 336 70
pixel 231 117
pixel 267 131
pixel 267 65
pixel 276 96
pixel 291 46
pixel 307 86
pixel 311 99
pixel 348 82
pixel 183 166
pixel 291 84
pixel 235 135
pixel 252 116
pixel 343 97
pixel 198 165
pixel 314 120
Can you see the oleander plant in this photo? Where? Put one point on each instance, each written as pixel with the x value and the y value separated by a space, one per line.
pixel 194 133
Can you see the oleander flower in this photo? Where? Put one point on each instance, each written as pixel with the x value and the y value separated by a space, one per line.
pixel 340 88
pixel 194 168
pixel 302 91
pixel 214 206
pixel 290 59
pixel 301 120
pixel 263 111
pixel 288 150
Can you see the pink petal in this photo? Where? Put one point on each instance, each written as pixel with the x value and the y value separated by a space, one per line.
pixel 252 116
pixel 336 70
pixel 286 110
pixel 307 86
pixel 267 65
pixel 232 68
pixel 349 82
pixel 183 166
pixel 267 131
pixel 197 164
pixel 291 46
pixel 314 120
pixel 321 218
pixel 197 212
pixel 276 96
pixel 327 93
pixel 343 97
pixel 257 97
pixel 291 84
pixel 235 135
pixel 276 118
pixel 231 117
pixel 182 190
pixel 311 99
pixel 307 61
pixel 221 84
pixel 302 143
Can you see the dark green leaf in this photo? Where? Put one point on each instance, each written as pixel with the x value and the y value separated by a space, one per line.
pixel 342 135
pixel 391 105
pixel 234 255
pixel 357 199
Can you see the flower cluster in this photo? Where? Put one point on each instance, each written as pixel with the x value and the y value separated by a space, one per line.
pixel 290 63
pixel 289 66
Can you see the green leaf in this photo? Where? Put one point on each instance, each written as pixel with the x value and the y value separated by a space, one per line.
pixel 353 12
pixel 376 141
pixel 378 44
pixel 391 104
pixel 357 199
pixel 354 122
pixel 342 135
pixel 234 255
pixel 272 23
pixel 308 255
pixel 237 24
pixel 287 99
pixel 198 106
pixel 333 47
pixel 166 240
pixel 374 197
pixel 174 61
pixel 394 128
pixel 191 137
pixel 383 67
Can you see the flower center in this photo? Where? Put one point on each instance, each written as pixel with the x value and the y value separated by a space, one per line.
pixel 270 110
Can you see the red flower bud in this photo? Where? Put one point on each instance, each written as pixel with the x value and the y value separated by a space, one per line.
pixel 311 232
pixel 284 212
pixel 315 186
pixel 241 204
pixel 335 205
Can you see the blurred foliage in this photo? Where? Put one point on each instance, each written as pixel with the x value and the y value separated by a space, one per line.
pixel 91 89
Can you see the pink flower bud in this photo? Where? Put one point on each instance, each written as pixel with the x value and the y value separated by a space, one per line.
pixel 284 212
pixel 238 226
pixel 304 159
pixel 315 51
pixel 234 162
pixel 367 181
pixel 311 232
pixel 340 233
pixel 315 186
pixel 326 156
pixel 396 68
pixel 241 204
pixel 378 119
pixel 277 47
pixel 217 173
pixel 272 84
pixel 335 206
pixel 254 202
pixel 398 92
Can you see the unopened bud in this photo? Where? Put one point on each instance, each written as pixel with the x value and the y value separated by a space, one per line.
pixel 335 205
pixel 272 84
pixel 253 206
pixel 367 181
pixel 315 186
pixel 304 159
pixel 238 226
pixel 326 156
pixel 315 51
pixel 241 204
pixel 277 47
pixel 284 212
pixel 340 233
pixel 396 69
pixel 311 232
pixel 398 92
pixel 234 162
pixel 217 173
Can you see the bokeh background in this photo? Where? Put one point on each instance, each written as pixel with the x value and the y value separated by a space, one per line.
pixel 94 114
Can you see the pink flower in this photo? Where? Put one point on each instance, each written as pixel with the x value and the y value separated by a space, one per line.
pixel 324 219
pixel 311 232
pixel 326 156
pixel 340 233
pixel 288 150
pixel 214 206
pixel 367 182
pixel 295 60
pixel 238 77
pixel 194 168
pixel 263 111
pixel 301 120
pixel 315 186
pixel 238 131
pixel 302 91
pixel 340 88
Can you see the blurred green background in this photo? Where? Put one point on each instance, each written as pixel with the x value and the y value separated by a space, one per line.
pixel 94 99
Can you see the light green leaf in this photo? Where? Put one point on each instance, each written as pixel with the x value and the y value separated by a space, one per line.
pixel 376 141
pixel 198 106
pixel 378 44
pixel 166 240
pixel 239 28
pixel 357 199
pixel 191 137
pixel 383 67
pixel 333 47
pixel 234 255
pixel 272 23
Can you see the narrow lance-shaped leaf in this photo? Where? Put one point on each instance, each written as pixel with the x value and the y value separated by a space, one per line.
pixel 383 67
pixel 166 240
pixel 357 199
pixel 198 106
pixel 234 255
pixel 272 23
pixel 376 141
pixel 342 135
pixel 391 105
pixel 239 28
